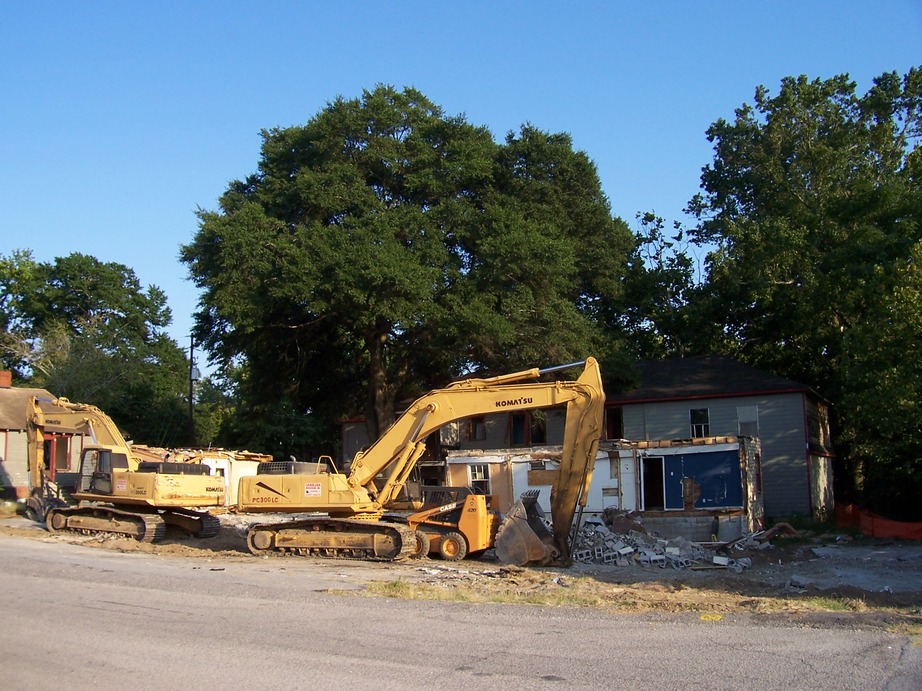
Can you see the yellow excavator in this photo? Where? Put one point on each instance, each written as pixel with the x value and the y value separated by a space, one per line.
pixel 119 488
pixel 355 524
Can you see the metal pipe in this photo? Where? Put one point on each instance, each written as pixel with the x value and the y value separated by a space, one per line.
pixel 557 368
pixel 419 425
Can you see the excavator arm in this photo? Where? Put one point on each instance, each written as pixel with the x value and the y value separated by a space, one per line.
pixel 398 450
pixel 354 504
pixel 35 426
pixel 62 416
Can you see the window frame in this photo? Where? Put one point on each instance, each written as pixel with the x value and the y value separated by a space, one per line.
pixel 699 429
pixel 478 476
pixel 477 428
pixel 531 426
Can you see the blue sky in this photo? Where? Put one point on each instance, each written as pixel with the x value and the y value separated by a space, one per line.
pixel 119 118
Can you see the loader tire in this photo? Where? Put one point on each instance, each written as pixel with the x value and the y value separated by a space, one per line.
pixel 421 549
pixel 453 547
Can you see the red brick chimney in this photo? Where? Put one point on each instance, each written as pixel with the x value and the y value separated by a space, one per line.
pixel 6 379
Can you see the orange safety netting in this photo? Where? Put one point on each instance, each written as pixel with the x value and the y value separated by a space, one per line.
pixel 872 525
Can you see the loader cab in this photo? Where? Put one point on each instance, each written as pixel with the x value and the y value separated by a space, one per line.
pixel 96 466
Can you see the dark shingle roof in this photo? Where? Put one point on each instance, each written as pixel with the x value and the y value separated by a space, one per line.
pixel 13 405
pixel 702 377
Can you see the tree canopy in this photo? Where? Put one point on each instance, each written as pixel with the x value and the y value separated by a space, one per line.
pixel 386 243
pixel 87 330
pixel 813 206
pixel 384 247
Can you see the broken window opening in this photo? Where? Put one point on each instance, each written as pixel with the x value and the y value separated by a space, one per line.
pixel 748 420
pixel 477 428
pixel 528 429
pixel 614 423
pixel 700 423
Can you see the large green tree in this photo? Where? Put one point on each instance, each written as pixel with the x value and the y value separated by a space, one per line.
pixel 813 207
pixel 385 246
pixel 88 331
pixel 17 282
pixel 656 307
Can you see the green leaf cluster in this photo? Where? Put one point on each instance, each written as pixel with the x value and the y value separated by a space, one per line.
pixel 87 330
pixel 812 208
pixel 388 247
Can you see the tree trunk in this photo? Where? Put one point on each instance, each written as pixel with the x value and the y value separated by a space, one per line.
pixel 379 410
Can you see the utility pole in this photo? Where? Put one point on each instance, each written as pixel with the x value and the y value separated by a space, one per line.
pixel 193 376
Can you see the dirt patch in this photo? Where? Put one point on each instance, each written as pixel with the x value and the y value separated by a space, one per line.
pixel 815 580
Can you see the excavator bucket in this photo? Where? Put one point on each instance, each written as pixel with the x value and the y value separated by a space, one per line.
pixel 523 537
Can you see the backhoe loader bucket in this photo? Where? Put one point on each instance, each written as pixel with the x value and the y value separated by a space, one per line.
pixel 523 537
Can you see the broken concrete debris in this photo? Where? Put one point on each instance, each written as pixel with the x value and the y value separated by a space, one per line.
pixel 598 544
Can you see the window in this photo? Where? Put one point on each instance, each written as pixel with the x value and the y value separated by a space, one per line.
pixel 700 423
pixel 480 478
pixel 747 417
pixel 477 428
pixel 526 429
pixel 614 423
pixel 538 427
pixel 57 452
pixel 105 462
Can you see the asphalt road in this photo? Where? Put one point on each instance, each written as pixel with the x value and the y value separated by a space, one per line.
pixel 79 618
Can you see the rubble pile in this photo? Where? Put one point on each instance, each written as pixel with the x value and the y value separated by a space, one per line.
pixel 597 544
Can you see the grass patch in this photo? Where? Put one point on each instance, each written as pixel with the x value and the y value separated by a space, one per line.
pixel 588 592
pixel 462 592
pixel 912 627
pixel 8 509
pixel 836 604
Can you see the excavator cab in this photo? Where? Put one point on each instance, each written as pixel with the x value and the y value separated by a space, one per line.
pixel 96 469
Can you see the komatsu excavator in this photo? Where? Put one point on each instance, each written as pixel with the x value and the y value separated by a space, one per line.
pixel 119 488
pixel 354 524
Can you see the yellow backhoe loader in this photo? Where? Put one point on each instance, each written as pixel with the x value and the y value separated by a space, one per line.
pixel 119 488
pixel 355 505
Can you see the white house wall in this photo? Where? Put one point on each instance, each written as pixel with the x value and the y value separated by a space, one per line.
pixel 520 463
pixel 614 478
pixel 231 469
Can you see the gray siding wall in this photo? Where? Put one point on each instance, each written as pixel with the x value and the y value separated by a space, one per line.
pixel 455 435
pixel 14 462
pixel 785 479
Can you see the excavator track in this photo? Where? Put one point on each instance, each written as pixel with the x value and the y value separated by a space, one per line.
pixel 341 538
pixel 96 518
